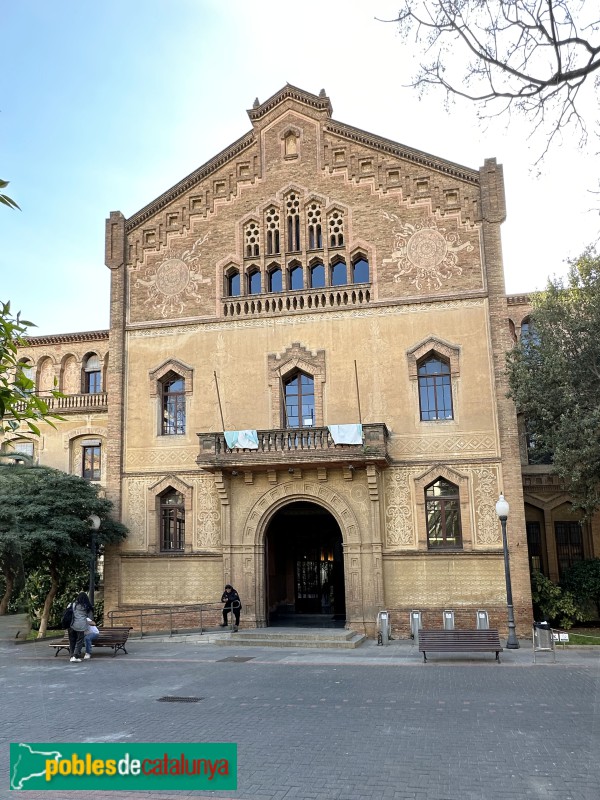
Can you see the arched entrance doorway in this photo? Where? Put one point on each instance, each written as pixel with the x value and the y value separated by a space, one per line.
pixel 304 567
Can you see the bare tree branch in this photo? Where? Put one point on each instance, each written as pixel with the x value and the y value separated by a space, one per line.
pixel 531 56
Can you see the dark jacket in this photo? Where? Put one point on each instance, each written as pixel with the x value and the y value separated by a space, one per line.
pixel 229 597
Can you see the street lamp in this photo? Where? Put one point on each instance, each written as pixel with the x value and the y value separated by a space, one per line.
pixel 502 508
pixel 94 521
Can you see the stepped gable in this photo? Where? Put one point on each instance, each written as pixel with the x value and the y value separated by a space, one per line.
pixel 303 101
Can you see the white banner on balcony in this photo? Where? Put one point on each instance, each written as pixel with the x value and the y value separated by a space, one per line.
pixel 241 440
pixel 346 434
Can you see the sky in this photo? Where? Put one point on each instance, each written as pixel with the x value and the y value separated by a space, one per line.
pixel 105 105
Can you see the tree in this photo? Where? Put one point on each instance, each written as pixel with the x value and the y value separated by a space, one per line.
pixel 582 580
pixel 530 56
pixel 554 377
pixel 4 198
pixel 18 402
pixel 44 524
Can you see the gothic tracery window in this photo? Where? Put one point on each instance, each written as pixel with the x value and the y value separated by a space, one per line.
pixel 292 212
pixel 315 238
pixel 272 227
pixel 335 223
pixel 251 240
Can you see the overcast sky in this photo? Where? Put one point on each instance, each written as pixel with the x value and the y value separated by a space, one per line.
pixel 105 105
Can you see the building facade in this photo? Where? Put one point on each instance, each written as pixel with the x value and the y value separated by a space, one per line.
pixel 305 395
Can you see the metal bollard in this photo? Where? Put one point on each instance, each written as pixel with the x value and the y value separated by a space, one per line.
pixel 383 628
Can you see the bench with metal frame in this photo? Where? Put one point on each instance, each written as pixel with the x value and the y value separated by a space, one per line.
pixel 107 637
pixel 459 641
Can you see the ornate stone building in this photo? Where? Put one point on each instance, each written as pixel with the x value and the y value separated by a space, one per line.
pixel 311 275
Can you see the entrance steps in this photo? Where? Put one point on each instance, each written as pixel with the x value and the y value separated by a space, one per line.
pixel 292 637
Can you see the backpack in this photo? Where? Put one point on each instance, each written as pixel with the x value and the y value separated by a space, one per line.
pixel 67 617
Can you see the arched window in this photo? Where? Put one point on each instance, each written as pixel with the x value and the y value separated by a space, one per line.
pixel 172 520
pixel 252 240
pixel 435 390
pixel 442 506
pixel 292 211
pixel 295 274
pixel 233 283
pixel 335 222
pixel 315 237
pixel 339 273
pixel 360 270
pixel 275 279
pixel 92 371
pixel 299 400
pixel 91 459
pixel 272 226
pixel 254 282
pixel 529 335
pixel 317 275
pixel 173 405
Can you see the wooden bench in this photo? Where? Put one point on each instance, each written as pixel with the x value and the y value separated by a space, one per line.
pixel 107 637
pixel 459 641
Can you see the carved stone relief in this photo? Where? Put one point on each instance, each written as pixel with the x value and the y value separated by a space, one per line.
pixel 175 279
pixel 71 380
pixel 303 490
pixel 487 527
pixel 399 523
pixel 136 513
pixel 475 444
pixel 46 376
pixel 157 456
pixel 425 252
pixel 208 515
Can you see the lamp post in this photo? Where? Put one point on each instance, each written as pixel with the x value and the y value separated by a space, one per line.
pixel 502 509
pixel 94 521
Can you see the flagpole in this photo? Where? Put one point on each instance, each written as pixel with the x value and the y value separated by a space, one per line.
pixel 357 392
pixel 219 401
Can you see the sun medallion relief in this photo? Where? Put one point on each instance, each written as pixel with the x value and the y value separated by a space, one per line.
pixel 175 279
pixel 425 252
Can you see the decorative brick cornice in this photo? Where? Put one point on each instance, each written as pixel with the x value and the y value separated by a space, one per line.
pixel 402 151
pixel 320 102
pixel 65 338
pixel 187 183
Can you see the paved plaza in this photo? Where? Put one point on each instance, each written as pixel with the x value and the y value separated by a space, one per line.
pixel 325 725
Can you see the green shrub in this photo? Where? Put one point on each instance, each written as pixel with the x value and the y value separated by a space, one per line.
pixel 553 604
pixel 582 580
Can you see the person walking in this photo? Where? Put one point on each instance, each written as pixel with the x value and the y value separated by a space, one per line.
pixel 232 603
pixel 82 609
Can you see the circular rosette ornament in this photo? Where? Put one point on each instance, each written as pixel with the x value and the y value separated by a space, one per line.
pixel 426 249
pixel 172 277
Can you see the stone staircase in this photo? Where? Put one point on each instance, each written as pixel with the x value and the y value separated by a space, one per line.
pixel 291 637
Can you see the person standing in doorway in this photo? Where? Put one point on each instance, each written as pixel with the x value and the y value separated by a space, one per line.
pixel 232 603
pixel 82 609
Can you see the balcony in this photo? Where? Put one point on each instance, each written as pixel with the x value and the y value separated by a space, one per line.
pixel 330 298
pixel 74 402
pixel 295 447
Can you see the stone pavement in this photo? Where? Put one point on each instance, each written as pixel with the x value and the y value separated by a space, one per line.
pixel 326 725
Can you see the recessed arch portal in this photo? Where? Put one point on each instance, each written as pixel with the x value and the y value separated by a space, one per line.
pixel 304 567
